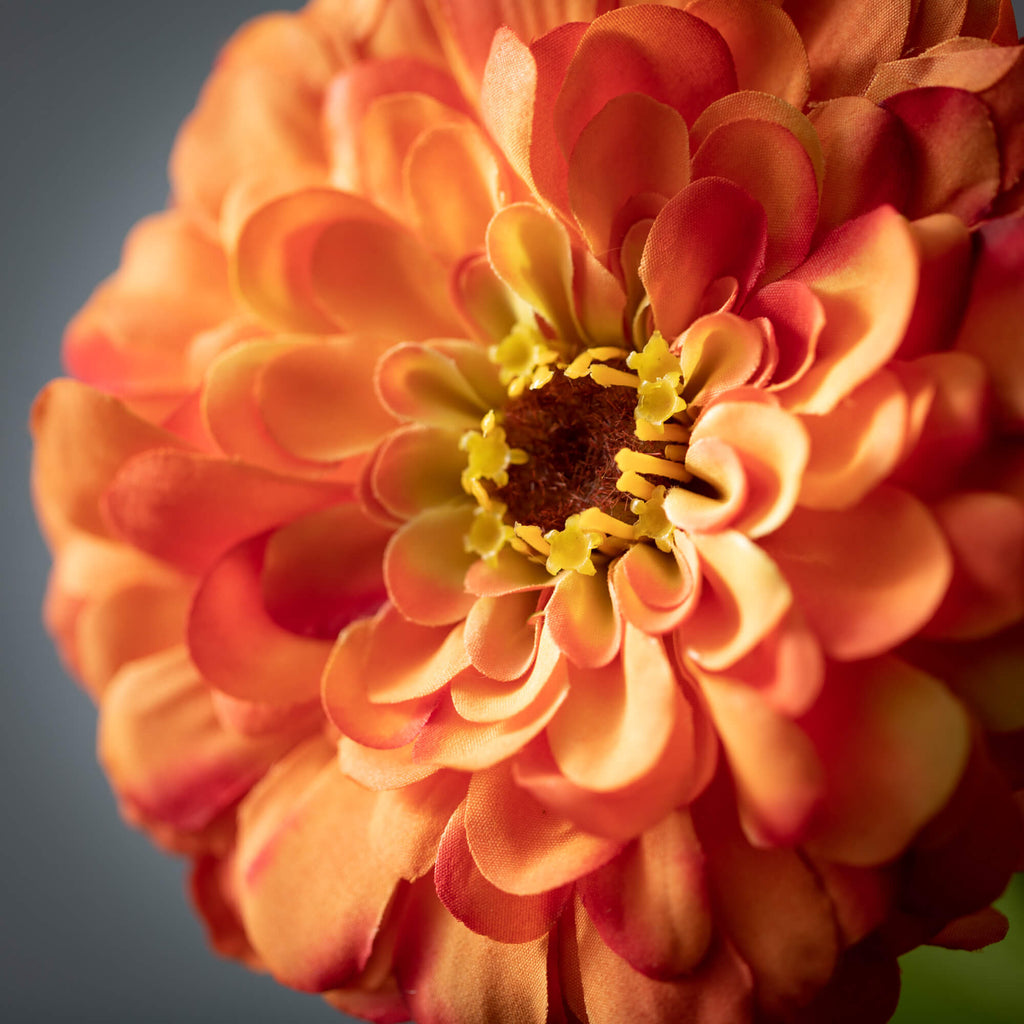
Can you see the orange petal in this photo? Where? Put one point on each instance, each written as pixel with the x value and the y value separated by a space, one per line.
pixel 520 846
pixel 258 115
pixel 744 596
pixel 82 438
pixel 718 352
pixel 323 570
pixel 237 645
pixel 483 907
pixel 868 156
pixel 135 331
pixel 844 51
pixel 765 46
pixel 985 532
pixel 346 699
pixel 771 907
pixel 866 275
pixel 778 777
pixel 797 318
pixel 532 254
pixel 425 564
pixel 480 698
pixel 509 575
pixel 677 271
pixel 661 930
pixel 954 150
pixel 718 992
pixel 380 768
pixel 450 973
pixel 417 468
pixel 422 383
pixel 318 401
pixel 307 820
pixel 629 160
pixel 584 620
pixel 454 184
pixel 894 743
pixel 855 446
pixel 656 590
pixel 375 276
pixel 502 635
pixel 635 49
pixel 616 722
pixel 273 254
pixel 167 755
pixel 188 509
pixel 867 577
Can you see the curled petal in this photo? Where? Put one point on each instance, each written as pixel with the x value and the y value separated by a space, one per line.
pixel 170 760
pixel 894 743
pixel 646 146
pixel 306 817
pixel 425 563
pixel 451 973
pixel 866 577
pixel 743 597
pixel 523 848
pixel 718 352
pixel 616 722
pixel 855 446
pixel 417 468
pixel 865 274
pixel 584 620
pixel 483 907
pixel 677 273
pixel 656 590
pixel 237 645
pixel 502 635
pixel 663 931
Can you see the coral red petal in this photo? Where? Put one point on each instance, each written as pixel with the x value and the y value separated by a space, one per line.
pixel 306 817
pixel 526 849
pixel 188 509
pixel 677 273
pixel 483 907
pixel 153 708
pixel 866 577
pixel 650 904
pixel 629 160
pixel 616 722
pixel 425 563
pixel 894 743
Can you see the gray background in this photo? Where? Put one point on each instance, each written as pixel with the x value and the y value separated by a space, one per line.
pixel 94 925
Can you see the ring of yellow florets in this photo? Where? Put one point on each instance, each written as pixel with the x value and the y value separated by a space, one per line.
pixel 648 462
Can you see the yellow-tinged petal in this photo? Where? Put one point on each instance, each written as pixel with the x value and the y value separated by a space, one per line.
pixel 583 619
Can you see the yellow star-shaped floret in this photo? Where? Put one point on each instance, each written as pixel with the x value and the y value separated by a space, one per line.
pixel 571 547
pixel 651 519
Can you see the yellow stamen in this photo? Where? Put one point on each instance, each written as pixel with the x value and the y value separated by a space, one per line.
pixel 651 519
pixel 635 484
pixel 658 401
pixel 571 547
pixel 600 522
pixel 534 536
pixel 669 432
pixel 608 376
pixel 654 361
pixel 523 357
pixel 639 462
pixel 488 533
pixel 580 366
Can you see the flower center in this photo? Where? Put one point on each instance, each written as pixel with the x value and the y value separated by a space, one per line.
pixel 576 465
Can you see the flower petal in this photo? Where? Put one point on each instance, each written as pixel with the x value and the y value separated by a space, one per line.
pixel 616 722
pixel 501 639
pixel 584 620
pixel 894 743
pixel 656 590
pixel 169 759
pixel 425 563
pixel 523 848
pixel 677 272
pixel 866 577
pixel 416 468
pixel 662 930
pixel 483 907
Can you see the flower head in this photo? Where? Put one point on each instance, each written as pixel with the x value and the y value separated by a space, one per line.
pixel 541 513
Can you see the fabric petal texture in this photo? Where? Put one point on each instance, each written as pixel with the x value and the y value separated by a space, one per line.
pixel 541 515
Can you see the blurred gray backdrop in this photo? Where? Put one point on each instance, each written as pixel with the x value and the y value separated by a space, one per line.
pixel 94 924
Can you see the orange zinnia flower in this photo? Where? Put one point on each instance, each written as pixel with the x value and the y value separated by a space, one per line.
pixel 542 513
